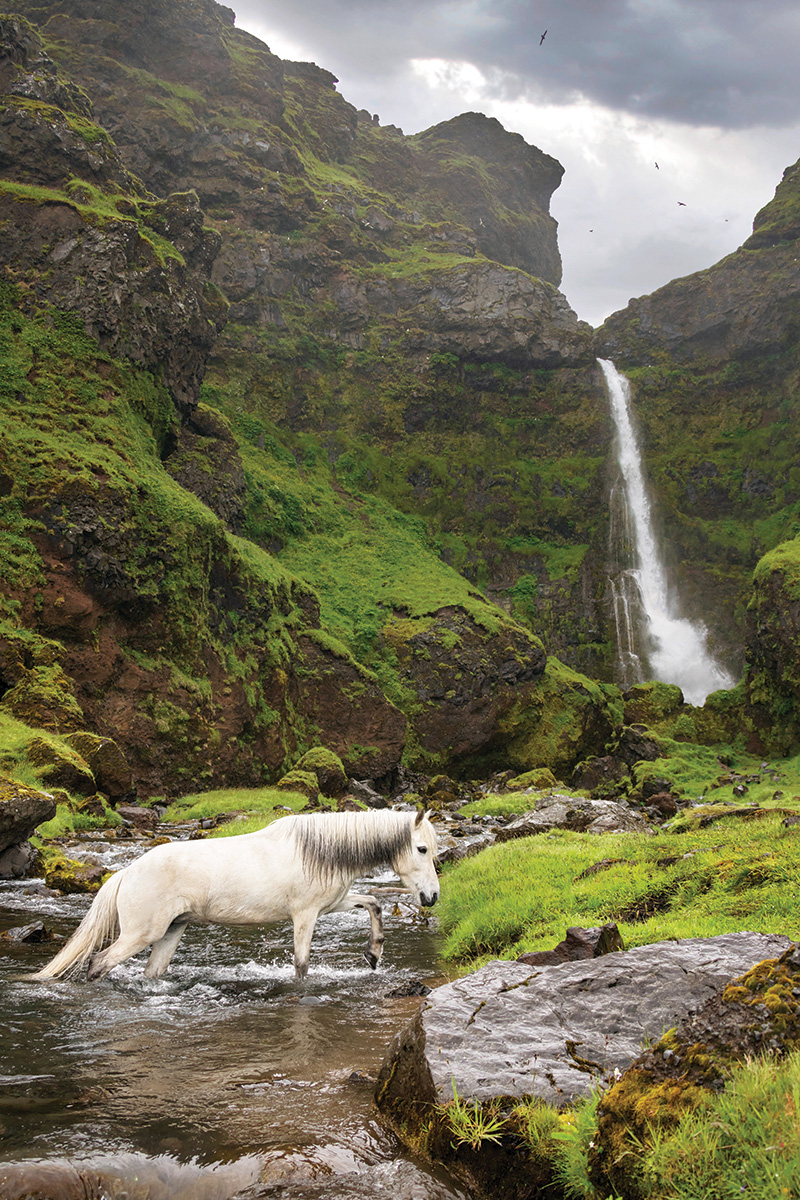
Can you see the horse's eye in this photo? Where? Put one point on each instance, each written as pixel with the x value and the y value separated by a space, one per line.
pixel 422 849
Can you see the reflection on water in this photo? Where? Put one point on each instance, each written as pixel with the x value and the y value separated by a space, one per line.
pixel 225 1063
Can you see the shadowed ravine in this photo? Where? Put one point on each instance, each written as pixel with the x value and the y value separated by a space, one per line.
pixel 221 1075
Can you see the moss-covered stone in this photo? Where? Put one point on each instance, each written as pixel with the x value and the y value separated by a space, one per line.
pixel 302 781
pixel 537 779
pixel 59 767
pixel 328 769
pixel 567 719
pixel 67 874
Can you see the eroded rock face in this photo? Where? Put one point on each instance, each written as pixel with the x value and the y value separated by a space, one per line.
pixel 484 311
pixel 553 1032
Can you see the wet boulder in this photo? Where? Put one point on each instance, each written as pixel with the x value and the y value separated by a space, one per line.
pixel 70 876
pixel 34 933
pixel 552 1032
pixel 140 818
pixel 22 810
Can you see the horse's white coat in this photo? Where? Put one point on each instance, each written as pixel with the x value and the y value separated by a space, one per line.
pixel 251 879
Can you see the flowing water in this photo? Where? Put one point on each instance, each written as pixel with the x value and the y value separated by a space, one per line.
pixel 654 639
pixel 222 1073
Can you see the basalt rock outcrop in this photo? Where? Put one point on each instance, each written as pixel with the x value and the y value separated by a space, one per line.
pixel 134 268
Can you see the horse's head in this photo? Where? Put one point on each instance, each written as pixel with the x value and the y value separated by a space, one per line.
pixel 416 865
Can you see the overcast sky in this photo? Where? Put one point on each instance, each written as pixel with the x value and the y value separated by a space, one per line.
pixel 709 90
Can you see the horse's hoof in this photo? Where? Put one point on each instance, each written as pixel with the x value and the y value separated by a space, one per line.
pixel 372 959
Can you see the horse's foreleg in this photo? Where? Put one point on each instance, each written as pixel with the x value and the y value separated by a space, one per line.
pixel 303 932
pixel 163 950
pixel 374 948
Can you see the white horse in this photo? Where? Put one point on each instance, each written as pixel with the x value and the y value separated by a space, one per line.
pixel 296 868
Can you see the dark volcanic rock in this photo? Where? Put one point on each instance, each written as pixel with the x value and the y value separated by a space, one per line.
pixel 578 944
pixel 464 678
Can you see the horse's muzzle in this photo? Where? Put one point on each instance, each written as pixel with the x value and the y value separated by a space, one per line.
pixel 428 901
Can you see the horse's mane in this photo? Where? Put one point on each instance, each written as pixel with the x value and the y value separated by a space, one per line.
pixel 349 842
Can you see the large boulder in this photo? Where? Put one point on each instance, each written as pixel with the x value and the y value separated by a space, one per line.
pixel 557 811
pixel 22 810
pixel 552 1032
pixel 108 764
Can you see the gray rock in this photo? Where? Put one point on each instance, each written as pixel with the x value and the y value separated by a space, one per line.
pixel 572 812
pixel 17 861
pixel 555 1031
pixel 578 944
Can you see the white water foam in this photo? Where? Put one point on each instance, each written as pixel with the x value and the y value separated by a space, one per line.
pixel 675 648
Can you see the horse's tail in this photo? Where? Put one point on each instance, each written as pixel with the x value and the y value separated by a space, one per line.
pixel 100 925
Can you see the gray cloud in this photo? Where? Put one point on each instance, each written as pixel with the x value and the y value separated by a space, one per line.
pixel 731 63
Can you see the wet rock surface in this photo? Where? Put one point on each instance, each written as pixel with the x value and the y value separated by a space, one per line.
pixel 553 1032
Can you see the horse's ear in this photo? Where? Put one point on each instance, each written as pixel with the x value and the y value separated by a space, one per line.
pixel 421 815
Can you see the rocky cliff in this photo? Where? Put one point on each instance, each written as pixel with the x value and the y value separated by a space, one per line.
pixel 183 569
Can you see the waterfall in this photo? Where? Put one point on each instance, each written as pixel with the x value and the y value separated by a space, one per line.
pixel 653 639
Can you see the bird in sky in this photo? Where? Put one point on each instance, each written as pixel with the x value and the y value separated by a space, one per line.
pixel 658 168
pixel 544 35
pixel 681 204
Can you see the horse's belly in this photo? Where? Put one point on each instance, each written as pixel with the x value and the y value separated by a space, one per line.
pixel 232 910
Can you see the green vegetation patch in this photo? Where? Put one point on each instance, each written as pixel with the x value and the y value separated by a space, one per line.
pixel 262 804
pixel 522 895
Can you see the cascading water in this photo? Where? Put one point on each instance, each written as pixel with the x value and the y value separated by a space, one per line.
pixel 653 639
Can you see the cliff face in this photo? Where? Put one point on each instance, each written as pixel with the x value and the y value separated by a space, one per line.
pixel 141 593
pixel 746 305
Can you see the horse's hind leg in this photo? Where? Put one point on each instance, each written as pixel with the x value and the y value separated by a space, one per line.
pixel 163 950
pixel 124 947
pixel 374 948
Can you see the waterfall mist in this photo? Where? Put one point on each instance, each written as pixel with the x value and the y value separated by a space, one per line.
pixel 654 641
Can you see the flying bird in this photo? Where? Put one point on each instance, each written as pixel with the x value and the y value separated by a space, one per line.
pixel 681 204
pixel 658 168
pixel 544 35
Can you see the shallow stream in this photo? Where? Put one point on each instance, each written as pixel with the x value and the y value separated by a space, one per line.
pixel 221 1075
